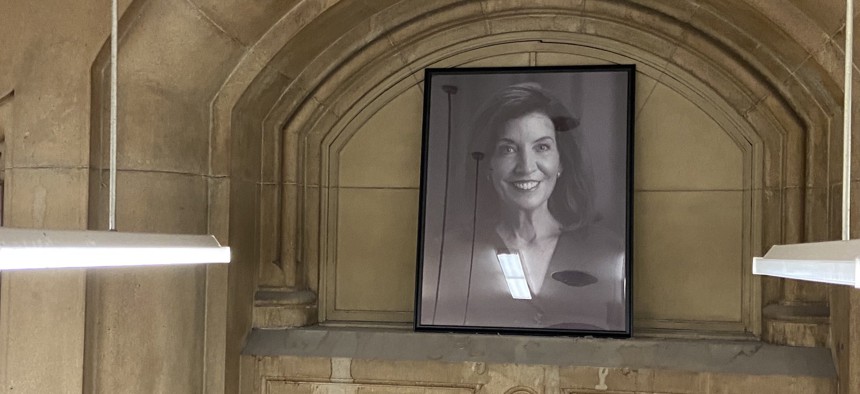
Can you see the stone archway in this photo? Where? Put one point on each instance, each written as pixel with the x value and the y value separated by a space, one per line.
pixel 332 87
pixel 279 97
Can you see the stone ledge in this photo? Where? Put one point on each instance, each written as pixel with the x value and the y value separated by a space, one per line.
pixel 713 356
pixel 806 313
pixel 797 325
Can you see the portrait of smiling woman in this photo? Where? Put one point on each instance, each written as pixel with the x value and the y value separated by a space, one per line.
pixel 521 243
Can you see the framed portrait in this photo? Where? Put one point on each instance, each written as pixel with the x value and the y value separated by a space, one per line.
pixel 526 201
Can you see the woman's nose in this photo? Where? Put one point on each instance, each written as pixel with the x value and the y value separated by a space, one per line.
pixel 525 162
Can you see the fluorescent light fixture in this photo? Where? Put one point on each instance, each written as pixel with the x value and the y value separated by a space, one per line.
pixel 835 262
pixel 512 268
pixel 33 249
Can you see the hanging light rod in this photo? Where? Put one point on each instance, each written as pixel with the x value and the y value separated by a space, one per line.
pixel 835 262
pixel 38 249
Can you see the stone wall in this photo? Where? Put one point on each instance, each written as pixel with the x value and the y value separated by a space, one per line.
pixel 389 361
pixel 235 118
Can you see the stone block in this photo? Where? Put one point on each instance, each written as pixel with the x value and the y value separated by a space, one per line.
pixel 147 327
pixel 322 24
pixel 161 130
pixel 589 378
pixel 413 43
pixel 419 371
pixel 524 22
pixel 375 252
pixel 796 333
pixel 673 381
pixel 720 75
pixel 218 221
pixel 514 378
pixel 737 383
pixel 300 114
pixel 155 53
pixel 688 260
pixel 645 86
pixel 294 368
pixel 385 151
pixel 42 320
pixel 643 27
pixel 829 16
pixel 773 26
pixel 801 144
pixel 367 74
pixel 793 215
pixel 284 316
pixel 246 151
pixel 776 62
pixel 215 327
pixel 640 38
pixel 315 151
pixel 162 202
pixel 48 51
pixel 773 144
pixel 252 132
pixel 819 81
pixel 507 60
pixel 271 273
pixel 50 119
pixel 311 223
pixel 244 21
pixel 817 215
pixel 835 230
pixel 495 8
pixel 855 207
pixel 547 58
pixel 680 147
pixel 54 198
pixel 680 10
pixel 241 275
pixel 289 234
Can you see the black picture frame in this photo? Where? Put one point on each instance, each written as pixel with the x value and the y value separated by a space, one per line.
pixel 526 201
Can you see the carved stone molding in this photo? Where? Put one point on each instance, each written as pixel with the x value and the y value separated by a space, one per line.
pixel 521 390
pixel 308 107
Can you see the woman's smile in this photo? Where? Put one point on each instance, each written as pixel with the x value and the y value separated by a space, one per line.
pixel 526 185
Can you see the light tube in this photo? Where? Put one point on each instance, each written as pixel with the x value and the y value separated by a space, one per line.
pixel 515 277
pixel 519 289
pixel 34 249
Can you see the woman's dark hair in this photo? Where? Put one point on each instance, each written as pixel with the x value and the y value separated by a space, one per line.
pixel 571 200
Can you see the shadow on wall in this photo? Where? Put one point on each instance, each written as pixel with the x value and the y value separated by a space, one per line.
pixel 5 124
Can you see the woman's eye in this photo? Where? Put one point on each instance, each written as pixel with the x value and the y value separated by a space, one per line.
pixel 543 147
pixel 506 149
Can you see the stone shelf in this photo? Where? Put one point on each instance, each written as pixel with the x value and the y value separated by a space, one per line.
pixel 746 357
pixel 390 360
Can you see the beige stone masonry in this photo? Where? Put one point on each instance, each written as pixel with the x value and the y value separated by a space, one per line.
pixel 256 121
pixel 395 362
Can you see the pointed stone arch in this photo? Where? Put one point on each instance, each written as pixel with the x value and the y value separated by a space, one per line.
pixel 279 100
pixel 307 107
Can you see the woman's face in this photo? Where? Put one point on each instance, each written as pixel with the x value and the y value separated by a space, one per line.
pixel 525 162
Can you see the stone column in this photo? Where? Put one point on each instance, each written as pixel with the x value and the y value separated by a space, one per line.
pixel 48 47
pixel 160 330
